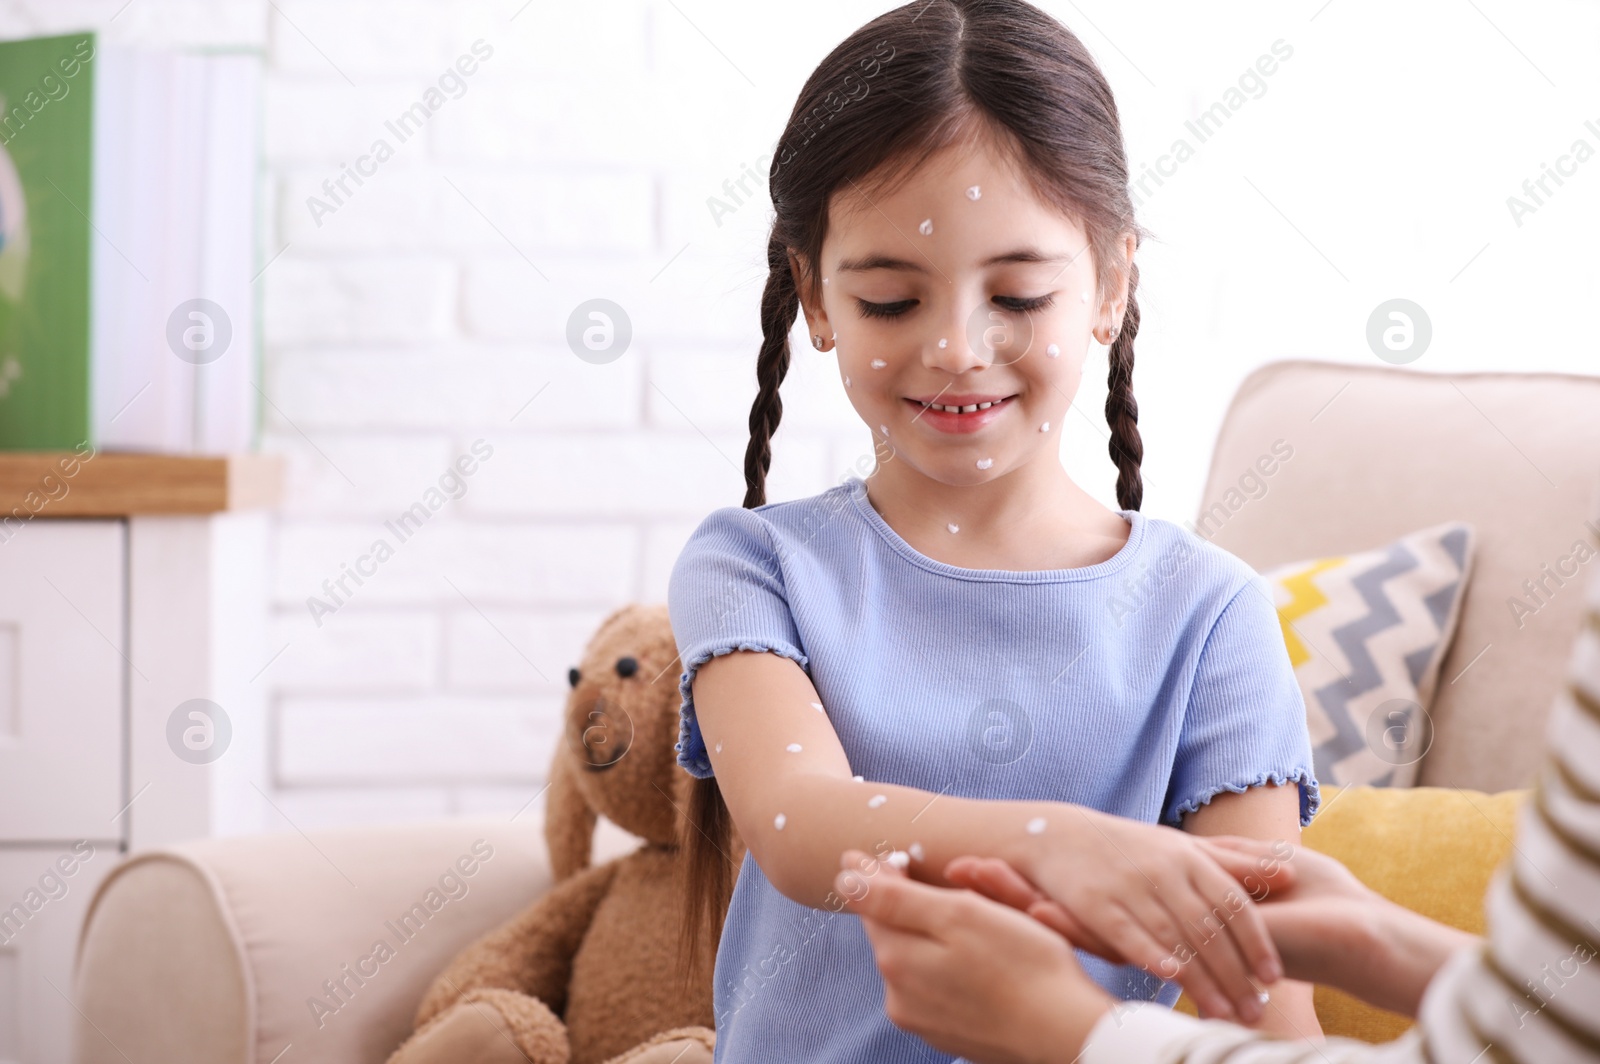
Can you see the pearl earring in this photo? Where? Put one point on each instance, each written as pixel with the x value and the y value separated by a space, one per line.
pixel 816 341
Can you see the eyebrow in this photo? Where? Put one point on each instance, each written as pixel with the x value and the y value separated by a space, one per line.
pixel 878 261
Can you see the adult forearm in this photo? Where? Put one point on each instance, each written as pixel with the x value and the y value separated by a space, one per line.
pixel 1387 960
pixel 1413 950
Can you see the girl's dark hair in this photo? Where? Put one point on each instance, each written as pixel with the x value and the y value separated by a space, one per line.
pixel 926 76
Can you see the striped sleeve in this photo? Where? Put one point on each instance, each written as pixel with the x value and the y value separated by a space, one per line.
pixel 1527 994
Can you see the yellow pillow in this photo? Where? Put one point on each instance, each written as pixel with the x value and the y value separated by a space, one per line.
pixel 1431 849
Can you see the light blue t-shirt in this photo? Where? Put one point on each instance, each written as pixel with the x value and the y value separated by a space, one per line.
pixel 1141 686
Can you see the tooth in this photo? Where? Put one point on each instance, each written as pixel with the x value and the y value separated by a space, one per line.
pixel 969 409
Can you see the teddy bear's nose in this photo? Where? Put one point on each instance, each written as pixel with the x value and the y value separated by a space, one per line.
pixel 627 667
pixel 602 735
pixel 573 676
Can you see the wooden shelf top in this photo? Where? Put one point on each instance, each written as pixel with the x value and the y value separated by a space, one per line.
pixel 121 484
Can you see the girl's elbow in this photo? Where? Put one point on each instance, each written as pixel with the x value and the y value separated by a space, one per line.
pixel 789 873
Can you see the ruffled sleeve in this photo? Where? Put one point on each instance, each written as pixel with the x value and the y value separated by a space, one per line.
pixel 726 593
pixel 1245 723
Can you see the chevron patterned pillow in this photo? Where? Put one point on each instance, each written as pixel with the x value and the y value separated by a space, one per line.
pixel 1366 634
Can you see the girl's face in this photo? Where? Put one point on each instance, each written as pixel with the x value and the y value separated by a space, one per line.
pixel 960 288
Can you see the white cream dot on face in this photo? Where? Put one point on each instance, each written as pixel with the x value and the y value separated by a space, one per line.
pixel 974 192
pixel 985 463
pixel 824 280
pixel 916 850
pixel 817 706
pixel 926 228
pixel 779 820
pixel 793 748
pixel 898 859
pixel 876 800
pixel 884 429
pixel 719 746
pixel 953 528
pixel 943 342
pixel 1036 826
pixel 859 779
pixel 1053 351
pixel 847 380
pixel 1085 296
pixel 878 363
pixel 1045 427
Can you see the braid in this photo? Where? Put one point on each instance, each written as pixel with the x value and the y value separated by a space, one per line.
pixel 1122 412
pixel 707 872
pixel 779 304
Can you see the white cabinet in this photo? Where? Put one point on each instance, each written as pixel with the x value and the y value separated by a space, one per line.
pixel 132 636
pixel 41 910
pixel 63 646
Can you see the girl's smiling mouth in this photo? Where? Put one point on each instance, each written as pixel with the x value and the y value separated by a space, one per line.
pixel 960 413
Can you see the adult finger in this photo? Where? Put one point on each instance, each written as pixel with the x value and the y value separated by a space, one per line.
pixel 1059 919
pixel 898 902
pixel 1260 867
pixel 994 878
pixel 868 865
pixel 1000 881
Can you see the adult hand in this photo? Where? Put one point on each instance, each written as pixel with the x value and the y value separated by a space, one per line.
pixel 1158 899
pixel 1320 917
pixel 1331 928
pixel 968 975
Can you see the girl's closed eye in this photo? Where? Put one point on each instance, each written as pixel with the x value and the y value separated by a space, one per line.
pixel 1011 303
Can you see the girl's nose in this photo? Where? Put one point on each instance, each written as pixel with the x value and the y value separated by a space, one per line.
pixel 952 349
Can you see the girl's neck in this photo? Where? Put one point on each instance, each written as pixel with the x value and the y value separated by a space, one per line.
pixel 1034 517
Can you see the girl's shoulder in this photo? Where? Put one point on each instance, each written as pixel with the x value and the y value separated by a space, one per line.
pixel 769 534
pixel 1176 552
pixel 771 524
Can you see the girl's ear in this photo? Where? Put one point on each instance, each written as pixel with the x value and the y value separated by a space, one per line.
pixel 816 316
pixel 568 820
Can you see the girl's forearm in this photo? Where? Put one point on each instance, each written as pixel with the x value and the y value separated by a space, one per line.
pixel 814 818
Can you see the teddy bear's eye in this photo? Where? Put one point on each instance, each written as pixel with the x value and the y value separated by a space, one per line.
pixel 573 676
pixel 627 667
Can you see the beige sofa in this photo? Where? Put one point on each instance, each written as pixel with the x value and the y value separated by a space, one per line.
pixel 210 951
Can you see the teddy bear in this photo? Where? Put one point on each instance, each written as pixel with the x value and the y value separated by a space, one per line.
pixel 587 973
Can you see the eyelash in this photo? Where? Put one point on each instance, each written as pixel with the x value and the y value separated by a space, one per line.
pixel 886 310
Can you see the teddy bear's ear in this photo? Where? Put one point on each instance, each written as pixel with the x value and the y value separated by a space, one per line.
pixel 568 821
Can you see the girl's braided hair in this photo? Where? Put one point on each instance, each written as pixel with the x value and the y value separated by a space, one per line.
pixel 915 80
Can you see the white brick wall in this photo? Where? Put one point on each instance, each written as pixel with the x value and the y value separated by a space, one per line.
pixel 428 311
pixel 430 307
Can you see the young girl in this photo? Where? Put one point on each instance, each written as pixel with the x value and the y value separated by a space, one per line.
pixel 967 654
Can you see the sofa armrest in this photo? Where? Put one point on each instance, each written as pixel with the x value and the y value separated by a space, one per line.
pixel 231 950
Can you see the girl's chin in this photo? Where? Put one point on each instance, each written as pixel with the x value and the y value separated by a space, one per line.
pixel 952 470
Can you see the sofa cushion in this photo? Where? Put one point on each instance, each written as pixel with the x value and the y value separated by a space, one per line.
pixel 1366 632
